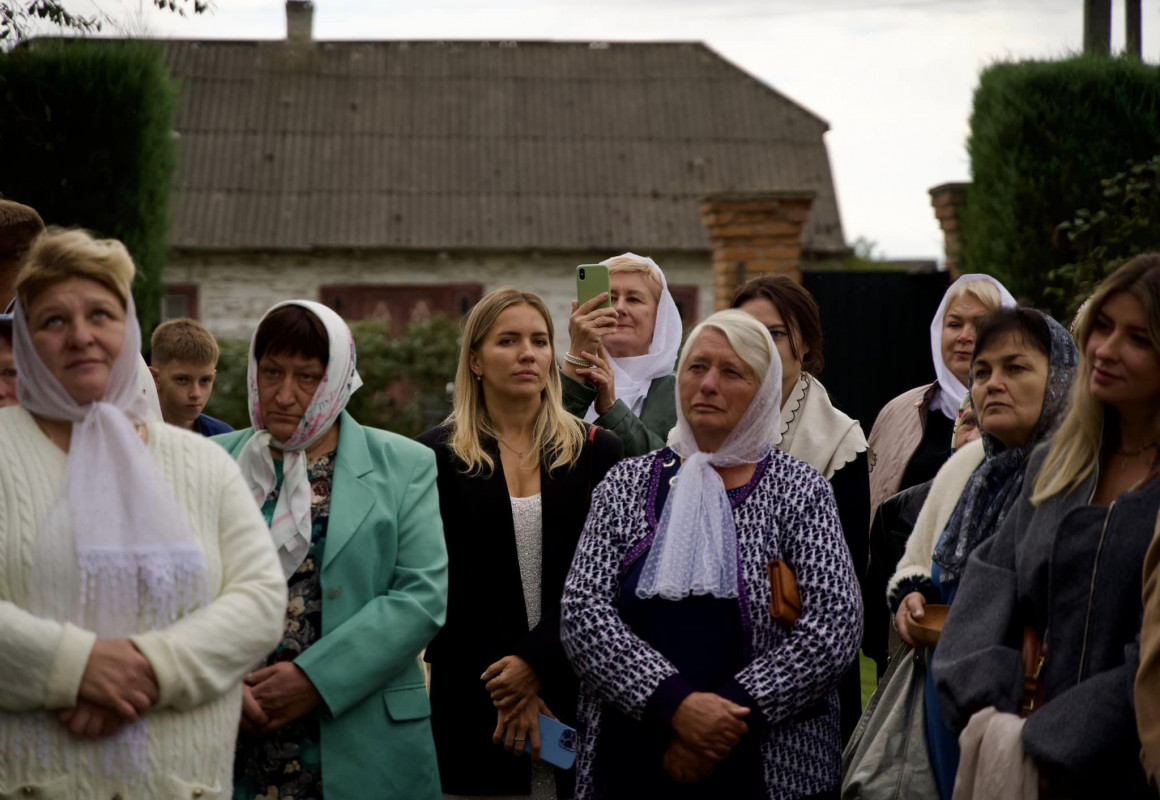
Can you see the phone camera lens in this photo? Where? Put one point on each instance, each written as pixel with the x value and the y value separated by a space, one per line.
pixel 581 274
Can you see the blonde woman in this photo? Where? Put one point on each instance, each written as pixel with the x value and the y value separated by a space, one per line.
pixel 516 472
pixel 139 585
pixel 911 437
pixel 618 372
pixel 1070 552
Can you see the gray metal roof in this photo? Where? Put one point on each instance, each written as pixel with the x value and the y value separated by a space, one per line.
pixel 478 145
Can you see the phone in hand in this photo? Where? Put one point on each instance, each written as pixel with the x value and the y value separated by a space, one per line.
pixel 591 280
pixel 557 741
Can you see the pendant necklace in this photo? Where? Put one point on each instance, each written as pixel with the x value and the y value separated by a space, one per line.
pixel 1126 454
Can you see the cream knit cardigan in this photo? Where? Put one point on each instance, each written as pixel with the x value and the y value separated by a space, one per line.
pixel 199 661
pixel 934 515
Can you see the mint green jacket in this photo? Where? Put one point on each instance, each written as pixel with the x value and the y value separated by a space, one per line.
pixel 384 595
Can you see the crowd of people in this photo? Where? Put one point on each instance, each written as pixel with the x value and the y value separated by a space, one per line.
pixel 674 545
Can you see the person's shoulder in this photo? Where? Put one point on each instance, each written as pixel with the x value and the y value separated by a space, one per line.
pixel 602 440
pixel 435 437
pixel 212 426
pixel 794 471
pixel 636 468
pixel 232 442
pixel 194 447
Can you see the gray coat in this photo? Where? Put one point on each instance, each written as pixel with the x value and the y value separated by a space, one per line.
pixel 1073 570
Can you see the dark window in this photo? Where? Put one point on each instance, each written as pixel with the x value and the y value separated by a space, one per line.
pixel 178 301
pixel 402 304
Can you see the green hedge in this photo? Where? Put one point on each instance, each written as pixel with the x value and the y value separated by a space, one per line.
pixel 1043 135
pixel 86 136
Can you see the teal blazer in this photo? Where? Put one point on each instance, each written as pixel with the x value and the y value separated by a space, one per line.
pixel 384 596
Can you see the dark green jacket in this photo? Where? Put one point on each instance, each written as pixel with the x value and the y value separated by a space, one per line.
pixel 640 435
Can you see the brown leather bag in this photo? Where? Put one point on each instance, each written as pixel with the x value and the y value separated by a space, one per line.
pixel 785 604
pixel 1034 655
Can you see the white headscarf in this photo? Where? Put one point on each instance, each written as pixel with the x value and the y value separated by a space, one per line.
pixel 634 374
pixel 136 553
pixel 291 525
pixel 695 549
pixel 951 390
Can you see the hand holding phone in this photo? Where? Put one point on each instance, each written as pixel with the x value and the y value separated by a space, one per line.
pixel 557 743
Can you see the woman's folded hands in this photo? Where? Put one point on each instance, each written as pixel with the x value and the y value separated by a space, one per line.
pixel 118 686
pixel 707 727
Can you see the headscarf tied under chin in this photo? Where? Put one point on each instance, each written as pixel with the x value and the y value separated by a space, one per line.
pixel 995 484
pixel 140 566
pixel 634 374
pixel 951 390
pixel 695 549
pixel 291 525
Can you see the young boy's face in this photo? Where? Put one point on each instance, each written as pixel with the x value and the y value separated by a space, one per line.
pixel 183 389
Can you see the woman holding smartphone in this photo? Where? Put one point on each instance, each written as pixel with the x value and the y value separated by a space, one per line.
pixel 515 476
pixel 618 372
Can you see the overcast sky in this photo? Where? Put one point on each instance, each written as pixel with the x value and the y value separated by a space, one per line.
pixel 894 79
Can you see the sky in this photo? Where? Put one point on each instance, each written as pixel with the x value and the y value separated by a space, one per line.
pixel 893 79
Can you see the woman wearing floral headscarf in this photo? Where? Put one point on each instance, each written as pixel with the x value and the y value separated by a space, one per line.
pixel 618 372
pixel 690 688
pixel 354 513
pixel 1021 372
pixel 138 585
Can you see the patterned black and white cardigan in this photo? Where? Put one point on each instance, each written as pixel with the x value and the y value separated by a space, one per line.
pixel 791 679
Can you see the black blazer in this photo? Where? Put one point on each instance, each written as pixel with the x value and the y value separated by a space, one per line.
pixel 486 615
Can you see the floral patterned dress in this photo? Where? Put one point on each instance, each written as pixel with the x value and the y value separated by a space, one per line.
pixel 287 763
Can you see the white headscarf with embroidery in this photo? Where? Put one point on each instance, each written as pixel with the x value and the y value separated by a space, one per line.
pixel 695 549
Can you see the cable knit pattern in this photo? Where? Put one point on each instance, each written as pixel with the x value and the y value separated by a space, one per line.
pixel 199 660
pixel 793 674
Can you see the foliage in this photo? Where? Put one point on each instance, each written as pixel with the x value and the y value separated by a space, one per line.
pixel 87 134
pixel 1043 134
pixel 405 379
pixel 1125 224
pixel 18 18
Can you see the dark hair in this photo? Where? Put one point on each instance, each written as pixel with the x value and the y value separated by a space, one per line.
pixel 292 330
pixel 797 308
pixel 6 330
pixel 1026 323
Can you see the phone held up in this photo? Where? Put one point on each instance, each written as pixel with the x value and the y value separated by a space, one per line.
pixel 591 280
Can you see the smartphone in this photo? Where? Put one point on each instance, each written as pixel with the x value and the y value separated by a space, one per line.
pixel 591 280
pixel 557 740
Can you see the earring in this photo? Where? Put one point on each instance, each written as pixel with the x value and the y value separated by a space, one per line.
pixel 478 377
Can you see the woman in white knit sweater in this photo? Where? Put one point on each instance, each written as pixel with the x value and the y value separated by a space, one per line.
pixel 138 584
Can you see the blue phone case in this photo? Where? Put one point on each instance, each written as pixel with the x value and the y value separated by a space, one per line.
pixel 557 743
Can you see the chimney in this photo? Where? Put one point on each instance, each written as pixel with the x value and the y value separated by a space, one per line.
pixel 299 21
pixel 753 233
pixel 949 201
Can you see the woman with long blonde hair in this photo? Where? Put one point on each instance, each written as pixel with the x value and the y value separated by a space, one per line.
pixel 1070 552
pixel 516 472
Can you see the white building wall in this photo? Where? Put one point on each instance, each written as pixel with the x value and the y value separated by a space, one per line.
pixel 234 290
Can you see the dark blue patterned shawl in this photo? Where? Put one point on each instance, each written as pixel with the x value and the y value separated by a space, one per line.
pixel 995 484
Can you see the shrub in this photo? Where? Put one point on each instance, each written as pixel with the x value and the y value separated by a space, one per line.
pixel 1125 224
pixel 87 134
pixel 1043 134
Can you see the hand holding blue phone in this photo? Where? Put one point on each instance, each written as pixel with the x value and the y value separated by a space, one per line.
pixel 557 743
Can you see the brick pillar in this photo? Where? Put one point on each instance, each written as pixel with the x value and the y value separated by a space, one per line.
pixel 752 234
pixel 950 202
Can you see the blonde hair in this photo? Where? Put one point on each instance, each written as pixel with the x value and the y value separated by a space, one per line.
pixel 631 264
pixel 984 291
pixel 61 254
pixel 184 340
pixel 558 437
pixel 748 338
pixel 1075 448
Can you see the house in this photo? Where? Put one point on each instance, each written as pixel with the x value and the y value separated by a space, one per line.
pixel 401 178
